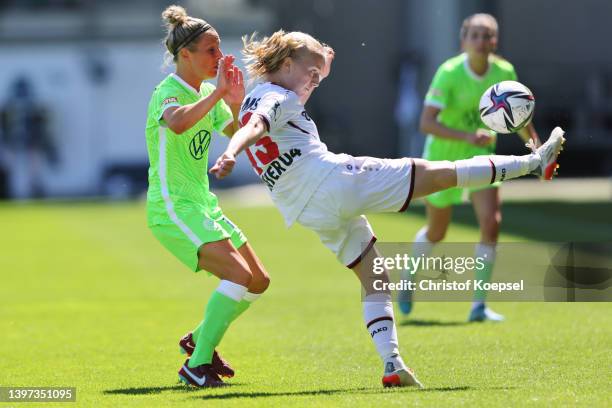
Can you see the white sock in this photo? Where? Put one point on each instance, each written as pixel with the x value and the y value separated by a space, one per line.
pixel 251 297
pixel 420 247
pixel 482 170
pixel 393 363
pixel 232 290
pixel 485 251
pixel 378 317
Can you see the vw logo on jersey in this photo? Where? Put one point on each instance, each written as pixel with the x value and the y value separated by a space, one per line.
pixel 199 144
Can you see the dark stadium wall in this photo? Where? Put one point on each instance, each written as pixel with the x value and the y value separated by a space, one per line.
pixel 561 53
pixel 557 47
pixel 354 108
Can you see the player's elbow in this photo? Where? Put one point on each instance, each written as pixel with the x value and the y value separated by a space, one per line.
pixel 255 129
pixel 428 120
pixel 177 127
pixel 425 125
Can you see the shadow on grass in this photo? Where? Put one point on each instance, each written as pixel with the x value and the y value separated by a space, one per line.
pixel 376 391
pixel 446 389
pixel 261 394
pixel 431 323
pixel 463 388
pixel 255 394
pixel 324 392
pixel 158 390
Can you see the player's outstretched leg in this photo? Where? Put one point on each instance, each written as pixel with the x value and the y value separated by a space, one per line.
pixel 548 152
pixel 433 176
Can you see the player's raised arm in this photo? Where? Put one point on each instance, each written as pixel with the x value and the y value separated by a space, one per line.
pixel 179 119
pixel 246 136
pixel 234 97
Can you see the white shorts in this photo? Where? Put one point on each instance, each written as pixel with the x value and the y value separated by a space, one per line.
pixel 361 185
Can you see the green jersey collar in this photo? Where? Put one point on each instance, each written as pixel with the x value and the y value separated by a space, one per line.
pixel 471 73
pixel 185 84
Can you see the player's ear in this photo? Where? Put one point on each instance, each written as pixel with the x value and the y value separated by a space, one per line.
pixel 287 65
pixel 184 52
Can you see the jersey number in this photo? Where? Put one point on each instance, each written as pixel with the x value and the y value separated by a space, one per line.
pixel 265 149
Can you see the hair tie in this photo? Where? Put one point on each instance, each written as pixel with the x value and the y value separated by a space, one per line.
pixel 190 37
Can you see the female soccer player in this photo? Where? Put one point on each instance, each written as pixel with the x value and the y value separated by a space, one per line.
pixel 329 192
pixel 181 211
pixel 455 131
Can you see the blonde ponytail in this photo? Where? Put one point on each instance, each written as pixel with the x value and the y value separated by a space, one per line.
pixel 267 55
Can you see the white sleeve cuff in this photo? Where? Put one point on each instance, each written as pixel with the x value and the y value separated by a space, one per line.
pixel 161 114
pixel 434 104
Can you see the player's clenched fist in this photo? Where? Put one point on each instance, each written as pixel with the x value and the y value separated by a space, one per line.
pixel 224 165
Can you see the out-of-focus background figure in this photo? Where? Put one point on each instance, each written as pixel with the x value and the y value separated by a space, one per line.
pixel 27 149
pixel 90 64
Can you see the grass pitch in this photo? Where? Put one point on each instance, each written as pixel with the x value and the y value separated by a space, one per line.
pixel 89 299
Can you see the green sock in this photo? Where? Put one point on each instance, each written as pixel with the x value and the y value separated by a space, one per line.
pixel 220 312
pixel 240 308
pixel 483 274
pixel 486 252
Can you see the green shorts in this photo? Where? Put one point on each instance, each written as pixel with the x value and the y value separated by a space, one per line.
pixel 453 196
pixel 437 149
pixel 190 230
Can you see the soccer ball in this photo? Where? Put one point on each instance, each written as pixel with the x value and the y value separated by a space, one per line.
pixel 507 106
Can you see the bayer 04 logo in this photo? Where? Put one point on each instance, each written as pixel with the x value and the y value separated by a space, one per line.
pixel 507 106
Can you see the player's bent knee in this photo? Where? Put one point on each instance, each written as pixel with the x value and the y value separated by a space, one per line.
pixel 259 283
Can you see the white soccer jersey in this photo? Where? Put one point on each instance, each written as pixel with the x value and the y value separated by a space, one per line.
pixel 290 158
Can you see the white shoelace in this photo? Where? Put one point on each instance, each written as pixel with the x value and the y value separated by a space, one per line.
pixel 531 145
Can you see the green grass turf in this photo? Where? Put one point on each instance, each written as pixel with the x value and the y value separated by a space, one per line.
pixel 89 299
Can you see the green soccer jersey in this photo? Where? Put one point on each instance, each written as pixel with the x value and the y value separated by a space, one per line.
pixel 178 180
pixel 456 90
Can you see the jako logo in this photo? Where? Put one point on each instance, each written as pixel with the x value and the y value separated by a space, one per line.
pixel 199 144
pixel 503 172
pixel 382 329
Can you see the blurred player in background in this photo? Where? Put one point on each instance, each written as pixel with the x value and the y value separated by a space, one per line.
pixel 28 145
pixel 182 213
pixel 327 192
pixel 451 120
